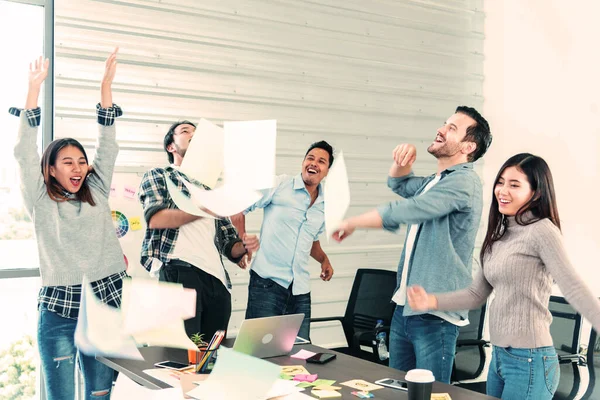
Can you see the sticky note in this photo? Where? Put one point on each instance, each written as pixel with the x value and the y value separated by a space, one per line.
pixel 113 191
pixel 305 377
pixel 129 192
pixel 135 223
pixel 326 394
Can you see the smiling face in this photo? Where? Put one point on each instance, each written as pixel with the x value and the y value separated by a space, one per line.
pixel 70 168
pixel 181 140
pixel 512 191
pixel 315 167
pixel 449 142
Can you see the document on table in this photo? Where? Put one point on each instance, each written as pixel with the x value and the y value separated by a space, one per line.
pixel 237 376
pixel 337 195
pixel 204 156
pixel 99 329
pixel 126 389
pixel 250 154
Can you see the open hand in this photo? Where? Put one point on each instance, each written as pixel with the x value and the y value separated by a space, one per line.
pixel 110 68
pixel 38 71
pixel 418 299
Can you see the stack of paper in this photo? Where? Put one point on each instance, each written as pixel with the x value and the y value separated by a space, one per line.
pixel 337 195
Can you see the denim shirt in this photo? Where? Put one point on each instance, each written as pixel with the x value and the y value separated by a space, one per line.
pixel 289 228
pixel 449 215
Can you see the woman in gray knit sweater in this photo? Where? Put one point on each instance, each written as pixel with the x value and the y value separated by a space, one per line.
pixel 68 203
pixel 522 255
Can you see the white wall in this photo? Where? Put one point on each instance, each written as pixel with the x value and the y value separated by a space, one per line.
pixel 542 80
pixel 363 75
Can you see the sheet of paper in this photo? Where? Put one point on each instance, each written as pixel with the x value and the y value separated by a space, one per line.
pixel 149 305
pixel 225 200
pixel 281 387
pixel 303 354
pixel 185 203
pixel 250 154
pixel 298 396
pixel 361 385
pixel 126 389
pixel 237 376
pixel 337 195
pixel 294 370
pixel 171 335
pixel 203 159
pixel 164 375
pixel 99 329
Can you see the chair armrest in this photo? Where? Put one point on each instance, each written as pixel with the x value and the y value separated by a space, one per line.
pixel 325 319
pixel 569 358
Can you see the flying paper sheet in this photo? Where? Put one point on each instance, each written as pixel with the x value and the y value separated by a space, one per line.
pixel 203 159
pixel 149 305
pixel 337 195
pixel 99 328
pixel 237 376
pixel 225 200
pixel 126 389
pixel 250 154
pixel 171 335
pixel 183 202
pixel 282 387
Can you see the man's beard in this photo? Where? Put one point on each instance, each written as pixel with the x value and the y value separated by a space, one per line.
pixel 444 151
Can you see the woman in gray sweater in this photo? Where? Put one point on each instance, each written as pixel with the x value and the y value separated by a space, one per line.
pixel 522 255
pixel 68 203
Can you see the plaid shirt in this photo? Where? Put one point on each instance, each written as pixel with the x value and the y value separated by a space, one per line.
pixel 65 300
pixel 159 243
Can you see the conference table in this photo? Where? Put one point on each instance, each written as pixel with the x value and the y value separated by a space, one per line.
pixel 342 369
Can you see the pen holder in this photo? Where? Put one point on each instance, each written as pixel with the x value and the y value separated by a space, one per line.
pixel 194 357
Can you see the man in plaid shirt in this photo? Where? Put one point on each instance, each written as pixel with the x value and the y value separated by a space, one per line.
pixel 186 248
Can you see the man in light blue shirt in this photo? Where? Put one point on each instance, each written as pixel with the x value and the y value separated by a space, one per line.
pixel 293 220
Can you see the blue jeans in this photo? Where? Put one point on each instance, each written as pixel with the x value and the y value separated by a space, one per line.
pixel 268 299
pixel 523 374
pixel 423 341
pixel 56 344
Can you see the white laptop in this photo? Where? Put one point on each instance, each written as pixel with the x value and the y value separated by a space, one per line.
pixel 269 336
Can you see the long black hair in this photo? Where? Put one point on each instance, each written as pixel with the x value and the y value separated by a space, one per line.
pixel 541 205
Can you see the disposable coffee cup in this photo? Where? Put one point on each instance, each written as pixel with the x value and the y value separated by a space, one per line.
pixel 419 383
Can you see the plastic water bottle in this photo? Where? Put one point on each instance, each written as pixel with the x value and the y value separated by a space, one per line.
pixel 382 350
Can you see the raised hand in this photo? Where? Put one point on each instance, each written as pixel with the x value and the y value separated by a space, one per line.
pixel 110 68
pixel 404 155
pixel 38 71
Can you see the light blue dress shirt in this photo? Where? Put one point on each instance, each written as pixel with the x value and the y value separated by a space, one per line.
pixel 289 228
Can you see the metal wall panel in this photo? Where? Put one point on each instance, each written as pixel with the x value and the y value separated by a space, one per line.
pixel 363 75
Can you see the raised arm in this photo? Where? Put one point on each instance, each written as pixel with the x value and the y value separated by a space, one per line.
pixel 26 151
pixel 107 148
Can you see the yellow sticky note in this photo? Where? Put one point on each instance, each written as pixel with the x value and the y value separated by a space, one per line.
pixel 135 223
pixel 440 396
pixel 326 394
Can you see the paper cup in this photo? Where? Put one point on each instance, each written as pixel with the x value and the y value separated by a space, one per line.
pixel 419 383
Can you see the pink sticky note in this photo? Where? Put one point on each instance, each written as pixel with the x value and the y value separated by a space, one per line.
pixel 306 378
pixel 303 354
pixel 113 191
pixel 129 192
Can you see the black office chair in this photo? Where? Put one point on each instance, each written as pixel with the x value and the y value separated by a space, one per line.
pixel 469 360
pixel 566 330
pixel 593 364
pixel 370 300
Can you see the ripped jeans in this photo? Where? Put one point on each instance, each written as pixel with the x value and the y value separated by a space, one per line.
pixel 58 354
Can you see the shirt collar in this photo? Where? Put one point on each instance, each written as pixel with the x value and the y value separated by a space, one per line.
pixel 467 165
pixel 299 185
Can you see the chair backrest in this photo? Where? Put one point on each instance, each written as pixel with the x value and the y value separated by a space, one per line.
pixel 370 300
pixel 469 360
pixel 593 364
pixel 565 331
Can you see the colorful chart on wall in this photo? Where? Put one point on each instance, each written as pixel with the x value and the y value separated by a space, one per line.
pixel 121 223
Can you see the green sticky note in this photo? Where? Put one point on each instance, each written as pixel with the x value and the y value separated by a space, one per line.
pixel 286 376
pixel 326 382
pixel 304 385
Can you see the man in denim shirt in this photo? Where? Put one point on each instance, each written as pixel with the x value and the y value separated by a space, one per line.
pixel 442 212
pixel 293 220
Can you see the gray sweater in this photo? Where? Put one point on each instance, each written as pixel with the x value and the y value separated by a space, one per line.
pixel 520 269
pixel 74 238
